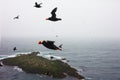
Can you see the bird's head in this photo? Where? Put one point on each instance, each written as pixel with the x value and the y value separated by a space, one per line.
pixel 40 42
pixel 47 19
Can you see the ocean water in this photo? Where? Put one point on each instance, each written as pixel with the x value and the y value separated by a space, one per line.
pixel 95 60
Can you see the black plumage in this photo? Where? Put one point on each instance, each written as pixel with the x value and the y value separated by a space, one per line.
pixel 14 49
pixel 50 45
pixel 53 17
pixel 37 5
pixel 17 17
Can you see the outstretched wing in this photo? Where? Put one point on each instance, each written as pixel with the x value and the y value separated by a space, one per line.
pixel 50 42
pixel 17 17
pixel 53 12
pixel 60 46
pixel 36 3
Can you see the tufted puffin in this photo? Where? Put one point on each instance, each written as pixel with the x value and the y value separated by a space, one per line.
pixel 49 44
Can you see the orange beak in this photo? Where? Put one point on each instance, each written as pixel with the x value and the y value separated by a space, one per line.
pixel 40 42
pixel 46 19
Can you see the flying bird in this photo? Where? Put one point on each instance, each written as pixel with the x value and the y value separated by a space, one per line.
pixel 49 44
pixel 53 17
pixel 14 49
pixel 37 5
pixel 17 17
pixel 56 35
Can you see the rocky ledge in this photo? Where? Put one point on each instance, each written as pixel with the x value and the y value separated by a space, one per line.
pixel 32 63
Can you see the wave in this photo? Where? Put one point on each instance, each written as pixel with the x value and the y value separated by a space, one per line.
pixel 13 55
pixel 53 57
pixel 43 54
pixel 18 69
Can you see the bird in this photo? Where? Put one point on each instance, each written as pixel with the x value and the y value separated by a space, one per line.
pixel 53 17
pixel 17 17
pixel 37 5
pixel 14 49
pixel 49 44
pixel 56 35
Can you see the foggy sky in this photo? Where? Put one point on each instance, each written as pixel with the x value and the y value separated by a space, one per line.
pixel 80 18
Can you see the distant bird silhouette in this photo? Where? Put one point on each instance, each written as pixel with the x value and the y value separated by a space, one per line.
pixel 17 17
pixel 53 17
pixel 14 49
pixel 49 44
pixel 56 35
pixel 37 5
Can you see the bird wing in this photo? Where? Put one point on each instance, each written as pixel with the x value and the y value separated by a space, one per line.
pixel 50 45
pixel 53 12
pixel 36 3
pixel 50 42
pixel 16 17
pixel 60 46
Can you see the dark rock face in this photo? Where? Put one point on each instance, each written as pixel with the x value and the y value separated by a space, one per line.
pixel 35 64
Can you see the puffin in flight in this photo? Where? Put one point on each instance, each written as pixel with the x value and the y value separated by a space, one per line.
pixel 53 17
pixel 50 45
pixel 17 17
pixel 14 49
pixel 37 5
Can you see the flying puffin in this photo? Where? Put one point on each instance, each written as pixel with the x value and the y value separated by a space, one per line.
pixel 37 5
pixel 50 45
pixel 14 49
pixel 53 17
pixel 17 17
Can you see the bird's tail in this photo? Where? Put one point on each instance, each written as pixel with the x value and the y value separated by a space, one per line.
pixel 60 46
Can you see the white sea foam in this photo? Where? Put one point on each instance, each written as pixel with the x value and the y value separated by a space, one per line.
pixel 7 56
pixel 18 69
pixel 55 57
pixel 3 56
pixel 42 54
pixel 23 53
pixel 48 56
pixel 13 55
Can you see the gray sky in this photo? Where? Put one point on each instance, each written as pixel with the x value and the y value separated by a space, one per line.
pixel 80 18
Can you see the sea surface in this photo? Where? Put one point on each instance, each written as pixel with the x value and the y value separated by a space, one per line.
pixel 95 60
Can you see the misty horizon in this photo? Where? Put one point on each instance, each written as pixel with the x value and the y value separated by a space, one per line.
pixel 80 19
